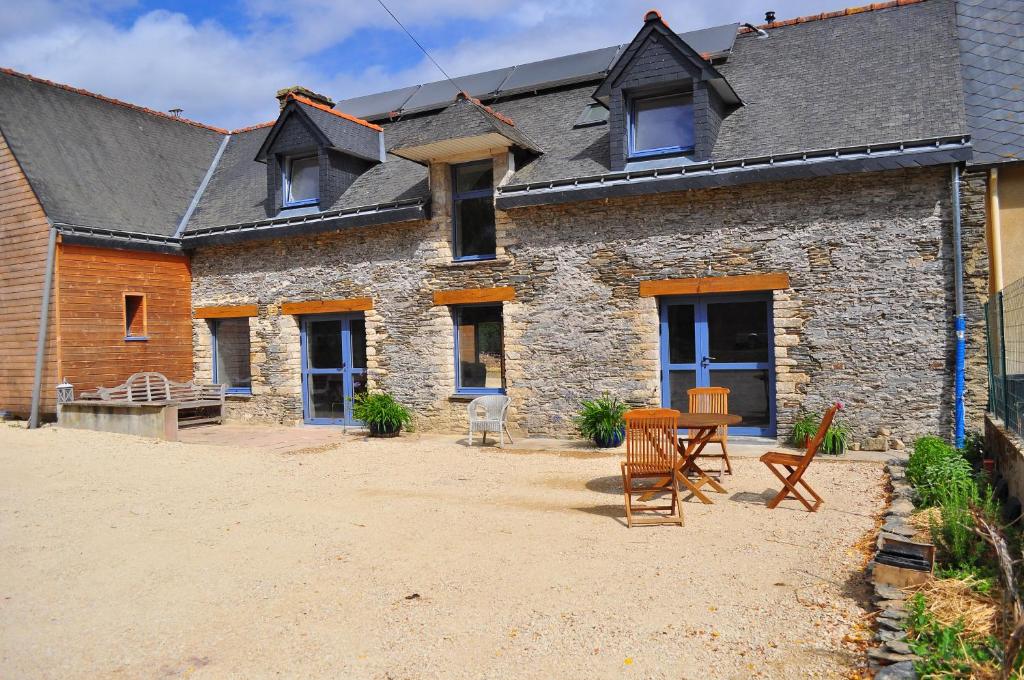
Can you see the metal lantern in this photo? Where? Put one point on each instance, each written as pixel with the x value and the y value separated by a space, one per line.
pixel 65 392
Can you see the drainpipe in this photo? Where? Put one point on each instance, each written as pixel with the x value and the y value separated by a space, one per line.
pixel 960 321
pixel 44 319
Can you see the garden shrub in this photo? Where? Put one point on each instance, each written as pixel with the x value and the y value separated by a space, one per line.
pixel 836 438
pixel 946 651
pixel 939 472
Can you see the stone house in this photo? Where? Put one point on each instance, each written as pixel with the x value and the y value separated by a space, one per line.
pixel 765 208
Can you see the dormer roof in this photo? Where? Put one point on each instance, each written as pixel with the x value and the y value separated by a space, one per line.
pixel 332 128
pixel 466 126
pixel 654 24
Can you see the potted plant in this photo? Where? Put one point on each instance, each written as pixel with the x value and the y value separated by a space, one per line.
pixel 384 416
pixel 836 438
pixel 601 421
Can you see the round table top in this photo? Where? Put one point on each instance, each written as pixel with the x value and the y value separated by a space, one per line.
pixel 708 419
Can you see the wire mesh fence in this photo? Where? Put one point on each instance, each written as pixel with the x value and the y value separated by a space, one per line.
pixel 1004 315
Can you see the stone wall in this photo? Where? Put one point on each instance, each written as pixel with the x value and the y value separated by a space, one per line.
pixel 976 270
pixel 867 319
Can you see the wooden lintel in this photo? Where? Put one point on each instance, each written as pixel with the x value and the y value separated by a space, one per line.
pixel 715 284
pixel 469 296
pixel 226 312
pixel 327 306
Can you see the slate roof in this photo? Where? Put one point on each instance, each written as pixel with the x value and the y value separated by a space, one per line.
pixel 465 117
pixel 96 162
pixel 881 76
pixel 992 60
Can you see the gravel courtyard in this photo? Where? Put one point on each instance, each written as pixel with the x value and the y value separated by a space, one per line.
pixel 410 558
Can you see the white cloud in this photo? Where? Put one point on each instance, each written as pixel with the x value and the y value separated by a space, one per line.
pixel 228 77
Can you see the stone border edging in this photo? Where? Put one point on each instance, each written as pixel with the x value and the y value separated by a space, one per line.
pixel 893 659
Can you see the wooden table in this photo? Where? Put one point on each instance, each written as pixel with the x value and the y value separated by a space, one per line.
pixel 702 427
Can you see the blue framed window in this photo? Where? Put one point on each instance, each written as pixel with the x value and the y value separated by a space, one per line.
pixel 721 341
pixel 300 181
pixel 661 126
pixel 231 354
pixel 473 235
pixel 479 349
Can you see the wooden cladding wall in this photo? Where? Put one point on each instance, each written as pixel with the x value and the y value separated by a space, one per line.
pixel 92 287
pixel 23 236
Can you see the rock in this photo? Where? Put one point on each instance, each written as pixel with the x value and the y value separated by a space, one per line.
pixel 892 614
pixel 886 657
pixel 902 670
pixel 899 605
pixel 876 444
pixel 897 474
pixel 889 635
pixel 898 527
pixel 887 592
pixel 901 507
pixel 897 444
pixel 884 432
pixel 855 446
pixel 898 462
pixel 890 624
pixel 898 647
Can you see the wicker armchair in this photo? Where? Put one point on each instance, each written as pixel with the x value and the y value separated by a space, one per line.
pixel 487 414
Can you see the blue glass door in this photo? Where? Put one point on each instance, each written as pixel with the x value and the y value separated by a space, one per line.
pixel 333 367
pixel 721 341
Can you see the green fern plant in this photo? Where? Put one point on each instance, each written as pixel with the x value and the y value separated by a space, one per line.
pixel 602 420
pixel 806 426
pixel 381 413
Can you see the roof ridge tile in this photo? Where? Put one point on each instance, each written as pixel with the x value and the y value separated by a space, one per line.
pixel 340 114
pixel 849 11
pixel 111 100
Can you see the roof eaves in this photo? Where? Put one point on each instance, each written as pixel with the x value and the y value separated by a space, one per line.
pixel 357 216
pixel 116 238
pixel 911 153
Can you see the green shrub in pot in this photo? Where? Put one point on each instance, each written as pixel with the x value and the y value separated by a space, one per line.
pixel 384 416
pixel 601 421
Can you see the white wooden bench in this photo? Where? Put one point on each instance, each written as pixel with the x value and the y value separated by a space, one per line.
pixel 155 388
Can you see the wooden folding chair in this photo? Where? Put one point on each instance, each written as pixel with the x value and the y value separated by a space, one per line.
pixel 713 400
pixel 651 452
pixel 796 465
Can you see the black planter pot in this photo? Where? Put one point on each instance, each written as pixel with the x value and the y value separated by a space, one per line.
pixel 612 441
pixel 377 430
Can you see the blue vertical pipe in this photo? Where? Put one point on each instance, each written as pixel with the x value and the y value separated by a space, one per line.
pixel 959 321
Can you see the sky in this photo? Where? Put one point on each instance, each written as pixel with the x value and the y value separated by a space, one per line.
pixel 222 62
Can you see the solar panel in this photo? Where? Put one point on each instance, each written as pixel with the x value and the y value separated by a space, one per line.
pixel 560 69
pixel 442 92
pixel 377 104
pixel 714 40
pixel 535 75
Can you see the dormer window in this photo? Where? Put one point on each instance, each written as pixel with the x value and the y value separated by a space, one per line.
pixel 301 181
pixel 473 236
pixel 661 125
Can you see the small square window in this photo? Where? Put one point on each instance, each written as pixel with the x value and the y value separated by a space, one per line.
pixel 301 181
pixel 479 352
pixel 473 233
pixel 661 125
pixel 134 316
pixel 231 355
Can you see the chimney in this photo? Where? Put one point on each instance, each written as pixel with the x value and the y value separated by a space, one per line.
pixel 769 17
pixel 298 90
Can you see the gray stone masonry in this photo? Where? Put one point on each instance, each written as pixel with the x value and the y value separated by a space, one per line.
pixel 867 319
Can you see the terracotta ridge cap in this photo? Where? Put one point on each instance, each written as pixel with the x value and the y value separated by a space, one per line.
pixel 250 128
pixel 849 11
pixel 340 114
pixel 111 100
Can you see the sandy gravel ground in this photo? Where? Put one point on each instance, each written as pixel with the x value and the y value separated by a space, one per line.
pixel 128 558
